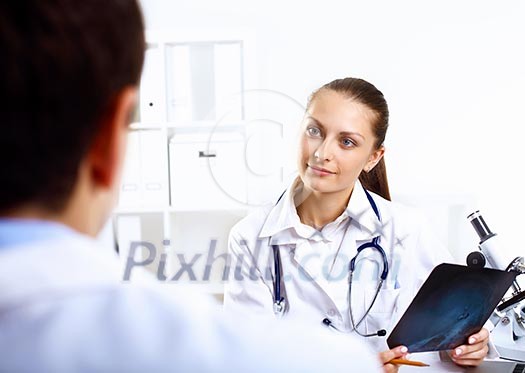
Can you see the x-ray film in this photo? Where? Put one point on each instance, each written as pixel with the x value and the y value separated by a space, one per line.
pixel 454 302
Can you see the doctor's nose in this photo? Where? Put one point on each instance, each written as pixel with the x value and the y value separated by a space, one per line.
pixel 323 152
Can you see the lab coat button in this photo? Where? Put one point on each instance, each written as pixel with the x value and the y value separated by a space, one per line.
pixel 331 312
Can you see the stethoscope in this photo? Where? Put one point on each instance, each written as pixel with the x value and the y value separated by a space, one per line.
pixel 279 300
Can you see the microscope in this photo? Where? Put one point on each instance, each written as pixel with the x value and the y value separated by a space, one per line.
pixel 509 317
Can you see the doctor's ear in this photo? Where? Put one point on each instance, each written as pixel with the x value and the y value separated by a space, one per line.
pixel 374 158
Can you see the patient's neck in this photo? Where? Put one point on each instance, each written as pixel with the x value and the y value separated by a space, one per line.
pixel 36 212
pixel 81 213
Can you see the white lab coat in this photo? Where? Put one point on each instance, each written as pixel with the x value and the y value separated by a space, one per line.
pixel 64 308
pixel 311 294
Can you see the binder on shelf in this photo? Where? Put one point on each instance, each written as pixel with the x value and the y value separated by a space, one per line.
pixel 152 105
pixel 204 82
pixel 154 168
pixel 228 86
pixel 130 194
pixel 145 178
pixel 178 80
pixel 203 77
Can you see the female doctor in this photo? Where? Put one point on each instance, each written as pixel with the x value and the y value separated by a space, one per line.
pixel 334 250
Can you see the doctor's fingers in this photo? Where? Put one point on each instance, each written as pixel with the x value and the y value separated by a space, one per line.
pixel 390 368
pixel 386 356
pixel 396 352
pixel 468 362
pixel 469 358
pixel 482 335
pixel 477 343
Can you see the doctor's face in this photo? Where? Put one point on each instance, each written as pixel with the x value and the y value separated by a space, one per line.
pixel 336 143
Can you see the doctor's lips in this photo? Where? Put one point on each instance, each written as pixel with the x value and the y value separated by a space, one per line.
pixel 320 171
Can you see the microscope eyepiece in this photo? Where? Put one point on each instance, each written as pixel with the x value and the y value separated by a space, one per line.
pixel 480 226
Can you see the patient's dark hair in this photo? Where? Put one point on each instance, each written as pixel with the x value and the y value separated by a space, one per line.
pixel 367 94
pixel 62 64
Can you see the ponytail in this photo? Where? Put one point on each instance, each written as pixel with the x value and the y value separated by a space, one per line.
pixel 376 181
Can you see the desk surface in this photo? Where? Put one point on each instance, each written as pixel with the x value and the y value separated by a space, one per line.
pixel 438 363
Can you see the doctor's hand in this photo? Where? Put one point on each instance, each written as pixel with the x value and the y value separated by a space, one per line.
pixel 386 356
pixel 474 352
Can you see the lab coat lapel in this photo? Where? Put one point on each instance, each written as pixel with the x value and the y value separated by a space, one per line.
pixel 315 289
pixel 311 263
pixel 307 260
pixel 362 215
pixel 280 227
pixel 282 216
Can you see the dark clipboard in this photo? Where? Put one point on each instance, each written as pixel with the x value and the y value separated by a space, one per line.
pixel 454 302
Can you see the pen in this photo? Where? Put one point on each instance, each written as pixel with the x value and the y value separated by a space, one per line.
pixel 408 362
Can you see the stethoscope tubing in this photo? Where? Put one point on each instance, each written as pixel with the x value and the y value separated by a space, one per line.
pixel 280 301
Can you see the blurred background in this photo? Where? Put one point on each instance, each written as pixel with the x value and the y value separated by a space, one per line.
pixel 224 89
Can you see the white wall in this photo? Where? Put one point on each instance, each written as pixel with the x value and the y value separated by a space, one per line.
pixel 453 73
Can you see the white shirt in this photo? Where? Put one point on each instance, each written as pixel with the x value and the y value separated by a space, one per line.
pixel 315 263
pixel 64 308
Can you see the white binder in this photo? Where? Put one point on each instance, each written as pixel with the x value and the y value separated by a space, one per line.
pixel 154 168
pixel 178 88
pixel 228 99
pixel 130 194
pixel 145 178
pixel 152 107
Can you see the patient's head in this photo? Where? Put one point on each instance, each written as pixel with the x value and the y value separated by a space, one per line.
pixel 68 71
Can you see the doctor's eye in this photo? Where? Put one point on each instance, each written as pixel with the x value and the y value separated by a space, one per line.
pixel 313 131
pixel 347 143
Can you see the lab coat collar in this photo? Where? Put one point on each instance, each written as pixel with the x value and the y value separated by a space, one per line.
pixel 282 221
pixel 283 224
pixel 361 212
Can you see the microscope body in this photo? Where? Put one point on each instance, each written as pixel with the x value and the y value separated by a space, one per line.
pixel 508 334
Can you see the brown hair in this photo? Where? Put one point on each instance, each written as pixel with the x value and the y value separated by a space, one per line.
pixel 367 94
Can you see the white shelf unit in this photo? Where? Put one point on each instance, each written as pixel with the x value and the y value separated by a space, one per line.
pixel 188 127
